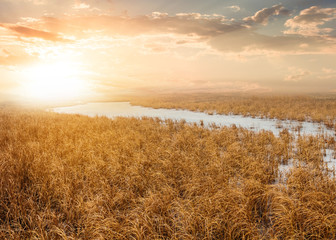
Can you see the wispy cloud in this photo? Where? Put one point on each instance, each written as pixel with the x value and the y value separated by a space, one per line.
pixel 296 74
pixel 81 5
pixel 8 58
pixel 175 50
pixel 264 14
pixel 234 8
pixel 309 20
pixel 214 30
pixel 328 73
pixel 28 32
pixel 217 31
pixel 36 2
pixel 228 86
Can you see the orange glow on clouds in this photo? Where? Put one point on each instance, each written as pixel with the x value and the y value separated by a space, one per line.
pixel 69 50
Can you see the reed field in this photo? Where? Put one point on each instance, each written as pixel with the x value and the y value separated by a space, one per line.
pixel 316 108
pixel 75 177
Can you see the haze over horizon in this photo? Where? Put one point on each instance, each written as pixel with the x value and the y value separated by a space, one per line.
pixel 87 49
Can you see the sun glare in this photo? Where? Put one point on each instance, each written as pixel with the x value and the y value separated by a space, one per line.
pixel 53 82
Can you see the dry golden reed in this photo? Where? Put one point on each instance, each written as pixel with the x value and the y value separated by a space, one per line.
pixel 312 108
pixel 75 177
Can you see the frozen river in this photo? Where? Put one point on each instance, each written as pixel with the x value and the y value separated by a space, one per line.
pixel 125 109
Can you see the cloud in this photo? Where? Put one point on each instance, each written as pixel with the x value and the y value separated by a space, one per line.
pixel 248 41
pixel 187 86
pixel 202 25
pixel 36 2
pixel 227 86
pixel 308 21
pixel 212 31
pixel 296 74
pixel 328 70
pixel 234 8
pixel 33 33
pixel 218 32
pixel 156 23
pixel 262 16
pixel 327 73
pixel 10 59
pixel 80 5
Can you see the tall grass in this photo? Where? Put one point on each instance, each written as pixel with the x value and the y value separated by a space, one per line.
pixel 313 108
pixel 75 177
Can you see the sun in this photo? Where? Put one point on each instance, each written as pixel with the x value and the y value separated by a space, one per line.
pixel 58 81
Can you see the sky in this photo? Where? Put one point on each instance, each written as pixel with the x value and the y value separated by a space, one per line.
pixel 73 49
